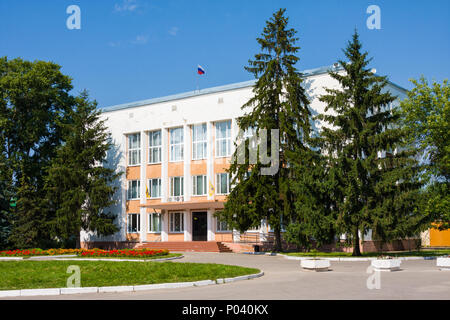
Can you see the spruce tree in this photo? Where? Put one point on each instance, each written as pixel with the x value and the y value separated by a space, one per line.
pixel 313 221
pixel 79 186
pixel 371 165
pixel 279 102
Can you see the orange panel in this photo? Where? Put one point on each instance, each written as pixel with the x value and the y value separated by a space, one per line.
pixel 153 237
pixel 133 206
pixel 153 201
pixel 221 165
pixel 175 169
pixel 198 198
pixel 133 173
pixel 198 167
pixel 439 238
pixel 176 237
pixel 226 237
pixel 132 236
pixel 153 171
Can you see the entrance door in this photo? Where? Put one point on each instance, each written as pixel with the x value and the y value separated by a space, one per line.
pixel 199 226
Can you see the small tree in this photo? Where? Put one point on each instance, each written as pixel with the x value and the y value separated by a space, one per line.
pixel 279 103
pixel 426 113
pixel 370 161
pixel 79 188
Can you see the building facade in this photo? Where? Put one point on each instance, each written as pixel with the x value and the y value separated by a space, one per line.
pixel 174 152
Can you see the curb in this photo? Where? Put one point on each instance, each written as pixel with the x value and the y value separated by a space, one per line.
pixel 38 257
pixel 61 291
pixel 354 259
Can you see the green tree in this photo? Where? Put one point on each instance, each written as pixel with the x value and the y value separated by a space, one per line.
pixel 313 223
pixel 279 102
pixel 371 164
pixel 426 113
pixel 34 98
pixel 80 187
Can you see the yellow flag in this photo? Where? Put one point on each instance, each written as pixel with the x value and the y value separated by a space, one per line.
pixel 211 189
pixel 146 192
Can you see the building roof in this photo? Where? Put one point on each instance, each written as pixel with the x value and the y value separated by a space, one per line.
pixel 227 87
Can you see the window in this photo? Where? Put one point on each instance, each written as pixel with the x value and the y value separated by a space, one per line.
pixel 176 222
pixel 134 149
pixel 223 139
pixel 222 226
pixel 199 142
pixel 176 144
pixel 154 188
pixel 154 222
pixel 134 223
pixel 199 185
pixel 223 183
pixel 134 189
pixel 154 142
pixel 250 134
pixel 176 186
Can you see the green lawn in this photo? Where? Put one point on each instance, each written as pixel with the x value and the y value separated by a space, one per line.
pixel 52 274
pixel 423 253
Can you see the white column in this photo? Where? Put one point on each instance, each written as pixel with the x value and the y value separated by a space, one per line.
pixel 123 218
pixel 236 235
pixel 210 220
pixel 164 164
pixel 263 230
pixel 187 162
pixel 164 225
pixel 234 134
pixel 210 159
pixel 187 226
pixel 143 197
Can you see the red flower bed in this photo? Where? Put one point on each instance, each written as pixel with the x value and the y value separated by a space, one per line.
pixel 140 253
pixel 137 253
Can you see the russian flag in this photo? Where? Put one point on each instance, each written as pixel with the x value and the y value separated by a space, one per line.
pixel 200 70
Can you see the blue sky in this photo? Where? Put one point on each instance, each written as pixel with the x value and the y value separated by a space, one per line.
pixel 128 50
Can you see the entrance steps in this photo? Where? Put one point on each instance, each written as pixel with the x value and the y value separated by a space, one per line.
pixel 186 246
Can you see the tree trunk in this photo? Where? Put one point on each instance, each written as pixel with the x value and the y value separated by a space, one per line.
pixel 356 249
pixel 277 244
pixel 78 245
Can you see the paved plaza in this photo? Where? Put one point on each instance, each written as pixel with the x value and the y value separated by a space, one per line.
pixel 285 280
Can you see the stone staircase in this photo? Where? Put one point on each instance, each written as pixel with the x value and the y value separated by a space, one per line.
pixel 186 246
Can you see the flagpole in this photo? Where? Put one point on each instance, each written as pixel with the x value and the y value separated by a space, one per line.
pixel 197 82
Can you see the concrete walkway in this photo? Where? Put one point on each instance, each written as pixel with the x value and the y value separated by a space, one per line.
pixel 284 279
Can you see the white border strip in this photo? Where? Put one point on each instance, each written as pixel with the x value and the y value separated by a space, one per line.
pixel 60 291
pixel 353 259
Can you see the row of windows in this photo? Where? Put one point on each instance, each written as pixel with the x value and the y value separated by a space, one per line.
pixel 176 186
pixel 176 143
pixel 176 223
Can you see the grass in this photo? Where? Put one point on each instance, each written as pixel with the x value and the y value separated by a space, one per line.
pixel 424 253
pixel 52 274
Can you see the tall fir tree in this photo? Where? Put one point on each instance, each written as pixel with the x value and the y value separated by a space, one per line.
pixel 79 187
pixel 279 102
pixel 372 167
pixel 34 98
